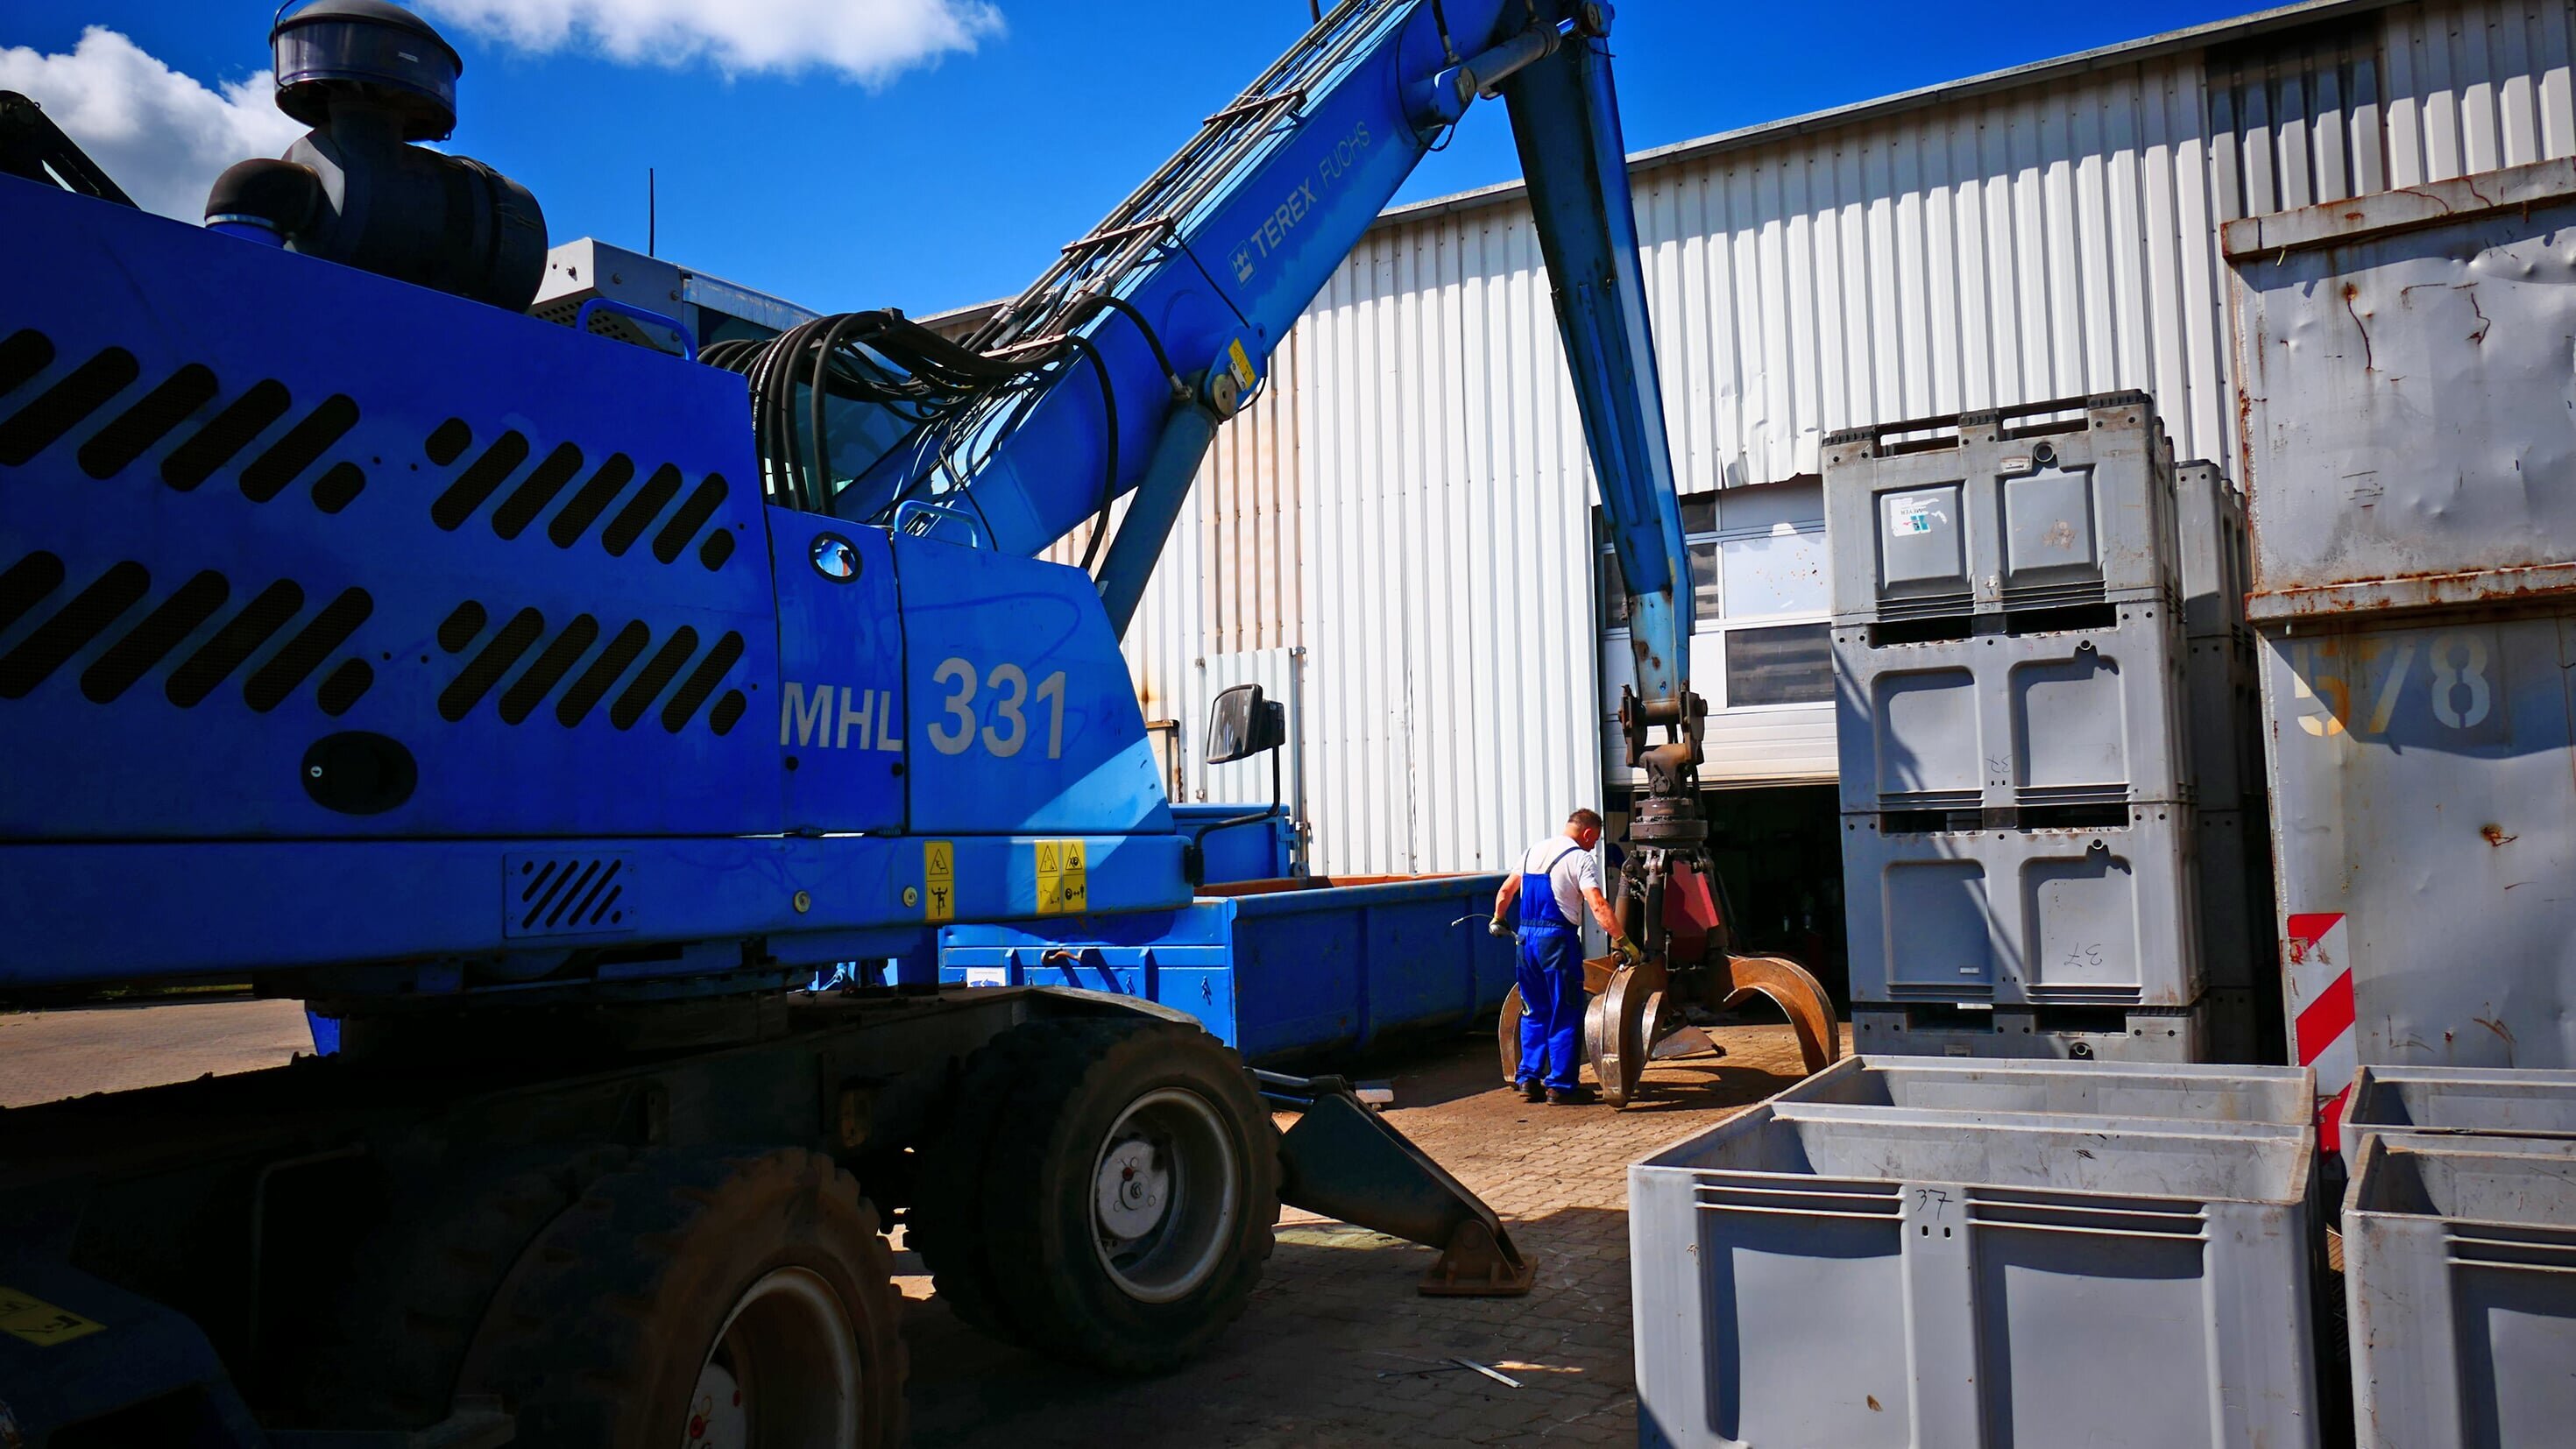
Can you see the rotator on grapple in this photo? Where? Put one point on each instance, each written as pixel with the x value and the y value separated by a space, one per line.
pixel 1668 903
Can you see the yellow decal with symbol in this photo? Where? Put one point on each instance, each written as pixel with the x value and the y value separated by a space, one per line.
pixel 1240 364
pixel 938 880
pixel 39 1322
pixel 1063 888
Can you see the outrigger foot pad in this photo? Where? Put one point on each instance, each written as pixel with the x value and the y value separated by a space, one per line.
pixel 1344 1161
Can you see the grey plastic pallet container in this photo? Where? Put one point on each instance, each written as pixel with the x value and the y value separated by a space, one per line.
pixel 2159 1035
pixel 2452 1101
pixel 1857 1278
pixel 2280 1096
pixel 2236 953
pixel 2100 917
pixel 2459 1262
pixel 2058 503
pixel 2223 710
pixel 2235 1025
pixel 2209 515
pixel 2001 721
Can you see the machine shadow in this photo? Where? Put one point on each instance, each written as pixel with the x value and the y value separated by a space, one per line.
pixel 1335 1349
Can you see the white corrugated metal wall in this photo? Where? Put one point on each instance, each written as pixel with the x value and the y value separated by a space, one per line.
pixel 1409 501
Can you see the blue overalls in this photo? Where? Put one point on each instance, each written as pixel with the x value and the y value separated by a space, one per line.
pixel 1551 981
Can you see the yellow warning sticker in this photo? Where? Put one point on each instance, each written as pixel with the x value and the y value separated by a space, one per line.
pixel 938 880
pixel 1240 364
pixel 39 1322
pixel 1063 888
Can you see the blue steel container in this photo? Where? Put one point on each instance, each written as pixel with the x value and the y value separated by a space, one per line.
pixel 1276 969
pixel 1239 843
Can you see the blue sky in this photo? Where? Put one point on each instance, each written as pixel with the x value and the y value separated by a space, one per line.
pixel 986 135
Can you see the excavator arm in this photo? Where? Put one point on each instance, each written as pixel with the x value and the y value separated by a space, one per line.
pixel 1115 368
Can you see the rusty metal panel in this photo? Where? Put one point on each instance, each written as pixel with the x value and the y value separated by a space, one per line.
pixel 2424 833
pixel 2405 367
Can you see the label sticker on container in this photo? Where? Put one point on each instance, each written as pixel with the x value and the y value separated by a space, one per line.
pixel 1063 886
pixel 40 1323
pixel 1910 514
pixel 988 975
pixel 938 880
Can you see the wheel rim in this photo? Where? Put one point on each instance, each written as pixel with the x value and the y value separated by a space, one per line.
pixel 1164 1195
pixel 783 1372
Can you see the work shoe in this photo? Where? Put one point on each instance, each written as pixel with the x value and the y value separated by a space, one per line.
pixel 1533 1090
pixel 1572 1096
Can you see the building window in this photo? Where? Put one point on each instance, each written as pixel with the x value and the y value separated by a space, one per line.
pixel 1614 592
pixel 1782 664
pixel 1780 572
pixel 1757 577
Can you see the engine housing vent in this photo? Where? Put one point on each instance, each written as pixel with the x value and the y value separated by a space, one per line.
pixel 568 894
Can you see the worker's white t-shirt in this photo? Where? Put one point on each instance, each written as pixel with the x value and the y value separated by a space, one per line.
pixel 1573 871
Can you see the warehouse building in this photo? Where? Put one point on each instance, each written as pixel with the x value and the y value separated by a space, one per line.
pixel 1411 487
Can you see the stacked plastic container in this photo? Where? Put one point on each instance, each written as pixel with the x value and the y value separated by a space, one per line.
pixel 1902 1251
pixel 2222 704
pixel 2016 744
pixel 2459 1256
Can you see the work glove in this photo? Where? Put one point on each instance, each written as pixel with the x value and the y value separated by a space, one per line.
pixel 1495 927
pixel 1627 952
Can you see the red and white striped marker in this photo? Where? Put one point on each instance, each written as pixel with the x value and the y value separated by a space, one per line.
pixel 2319 976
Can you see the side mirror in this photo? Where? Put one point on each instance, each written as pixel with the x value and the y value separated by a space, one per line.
pixel 1242 724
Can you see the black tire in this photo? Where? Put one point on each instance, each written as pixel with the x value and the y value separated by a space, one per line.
pixel 945 1222
pixel 1158 1297
pixel 394 1337
pixel 604 1332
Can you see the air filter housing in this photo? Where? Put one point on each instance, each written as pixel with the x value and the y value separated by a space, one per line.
pixel 370 50
pixel 371 79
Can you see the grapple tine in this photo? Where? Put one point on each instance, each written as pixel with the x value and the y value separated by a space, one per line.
pixel 1797 992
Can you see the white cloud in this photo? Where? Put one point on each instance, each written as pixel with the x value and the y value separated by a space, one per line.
pixel 163 136
pixel 868 40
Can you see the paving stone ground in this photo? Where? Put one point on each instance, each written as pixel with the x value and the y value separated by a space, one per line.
pixel 1308 1364
pixel 1336 1349
pixel 46 1055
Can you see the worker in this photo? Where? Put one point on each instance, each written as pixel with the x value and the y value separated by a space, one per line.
pixel 1556 878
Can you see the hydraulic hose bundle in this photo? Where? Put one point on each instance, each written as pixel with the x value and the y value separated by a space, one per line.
pixel 961 403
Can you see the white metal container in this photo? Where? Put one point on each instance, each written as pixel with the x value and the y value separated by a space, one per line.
pixel 2161 1035
pixel 2022 722
pixel 2459 1261
pixel 2455 1101
pixel 1855 1277
pixel 2279 1096
pixel 2103 917
pixel 2049 505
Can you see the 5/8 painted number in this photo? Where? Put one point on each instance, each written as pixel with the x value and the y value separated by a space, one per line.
pixel 956 731
pixel 2461 696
